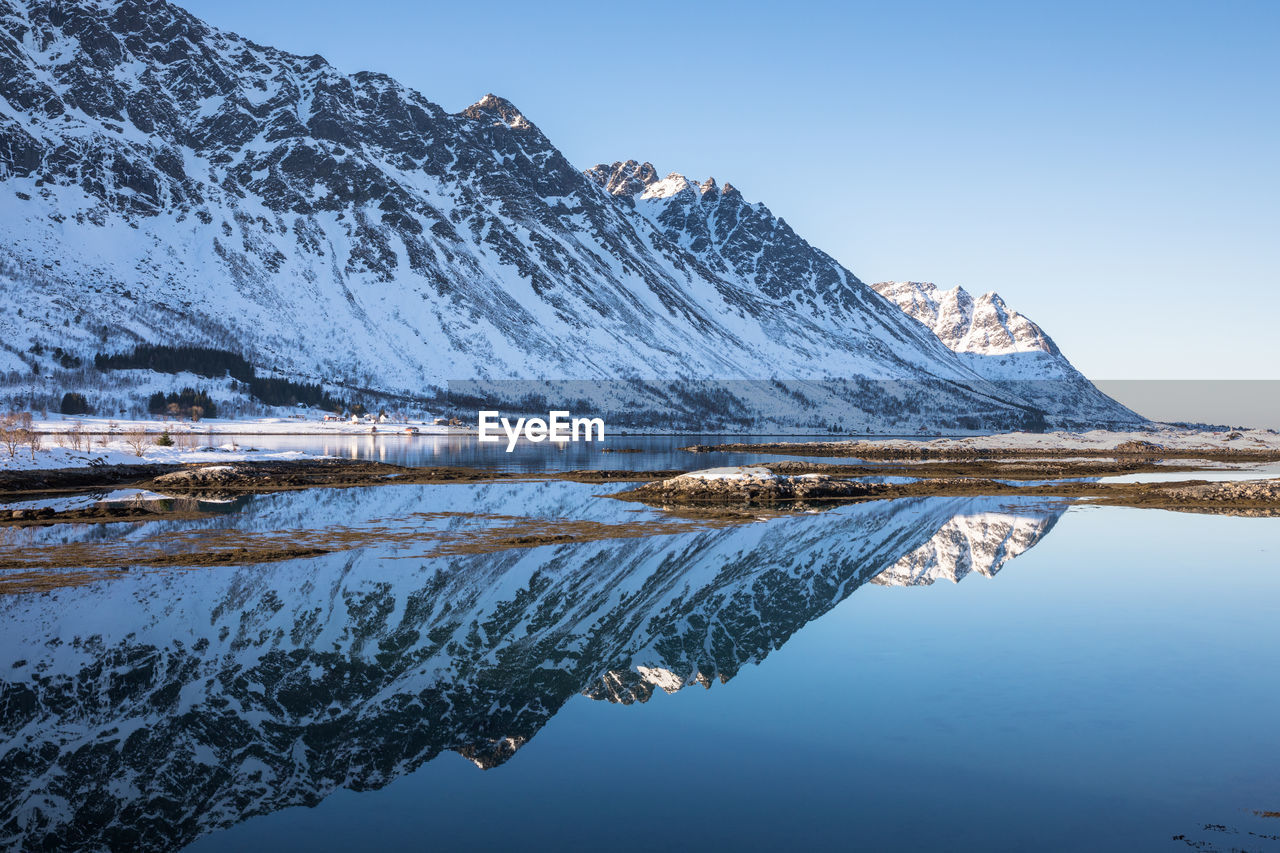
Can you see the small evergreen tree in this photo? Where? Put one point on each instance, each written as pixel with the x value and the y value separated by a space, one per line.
pixel 74 403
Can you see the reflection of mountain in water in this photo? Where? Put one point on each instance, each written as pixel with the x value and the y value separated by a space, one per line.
pixel 979 542
pixel 148 710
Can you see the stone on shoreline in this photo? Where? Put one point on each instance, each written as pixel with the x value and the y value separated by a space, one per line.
pixel 1241 490
pixel 747 485
pixel 207 475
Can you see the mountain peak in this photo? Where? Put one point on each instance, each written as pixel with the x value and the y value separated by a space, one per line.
pixel 492 106
pixel 985 325
pixel 623 178
pixel 632 178
pixel 672 185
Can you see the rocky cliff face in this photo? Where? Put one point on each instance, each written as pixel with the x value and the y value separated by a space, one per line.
pixel 164 181
pixel 146 709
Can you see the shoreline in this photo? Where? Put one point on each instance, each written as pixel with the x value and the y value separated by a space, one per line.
pixel 175 490
pixel 686 501
pixel 247 477
pixel 243 473
pixel 744 489
pixel 1242 446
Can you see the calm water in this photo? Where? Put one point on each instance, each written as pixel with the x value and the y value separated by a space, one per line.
pixel 651 453
pixel 656 452
pixel 940 673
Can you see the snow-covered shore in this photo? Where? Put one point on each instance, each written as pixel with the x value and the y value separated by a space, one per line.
pixel 107 441
pixel 241 426
pixel 118 453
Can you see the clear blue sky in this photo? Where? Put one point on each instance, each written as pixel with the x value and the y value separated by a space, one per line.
pixel 1112 169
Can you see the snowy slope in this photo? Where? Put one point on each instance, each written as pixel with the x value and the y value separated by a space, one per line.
pixel 164 181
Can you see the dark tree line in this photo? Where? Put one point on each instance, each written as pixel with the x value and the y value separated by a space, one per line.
pixel 215 364
pixel 202 361
pixel 283 392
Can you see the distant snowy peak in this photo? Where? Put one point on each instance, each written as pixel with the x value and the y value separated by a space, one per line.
pixel 1005 348
pixel 986 325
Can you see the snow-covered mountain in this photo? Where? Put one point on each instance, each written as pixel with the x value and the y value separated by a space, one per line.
pixel 146 708
pixel 982 326
pixel 1003 346
pixel 163 181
